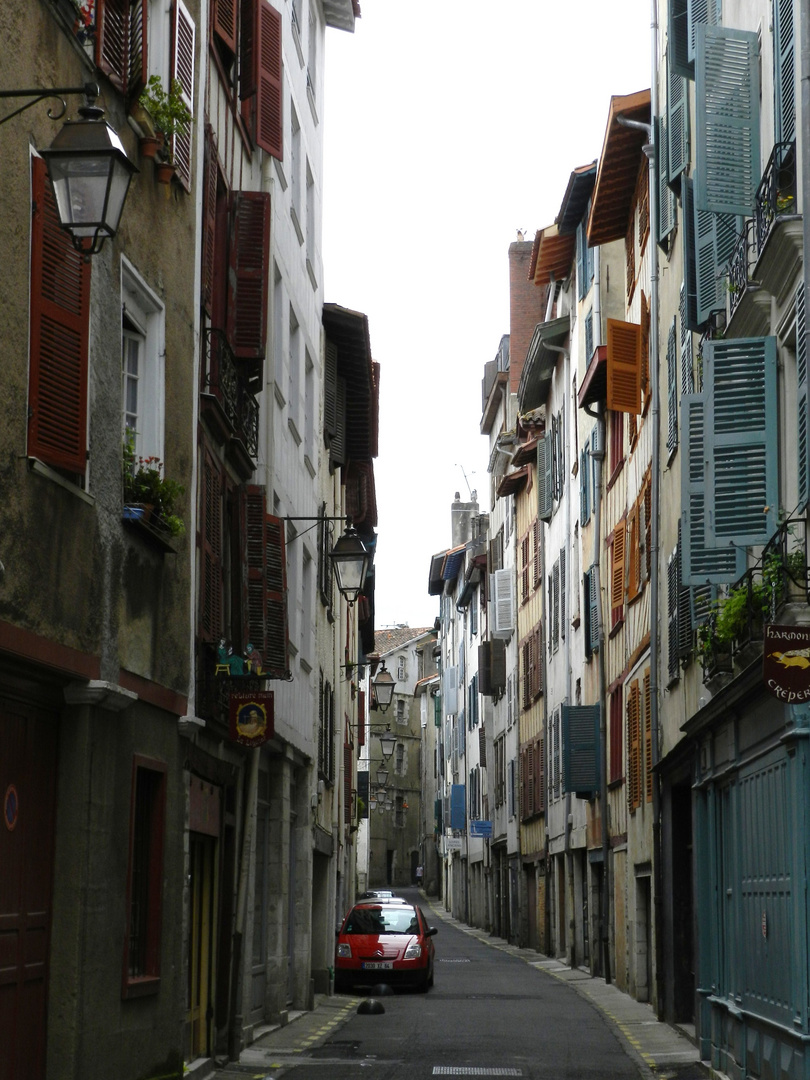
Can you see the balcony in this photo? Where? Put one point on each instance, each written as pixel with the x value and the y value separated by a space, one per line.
pixel 749 305
pixel 778 226
pixel 228 404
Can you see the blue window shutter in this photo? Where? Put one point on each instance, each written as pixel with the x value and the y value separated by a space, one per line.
pixel 458 800
pixel 802 394
pixel 700 564
pixel 666 200
pixel 700 13
pixel 684 607
pixel 678 39
pixel 689 254
pixel 714 239
pixel 727 120
pixel 582 287
pixel 672 388
pixel 580 739
pixel 687 371
pixel 592 600
pixel 742 490
pixel 677 125
pixel 545 457
pixel 589 336
pixel 784 80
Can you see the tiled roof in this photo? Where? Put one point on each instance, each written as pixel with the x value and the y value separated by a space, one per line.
pixel 386 641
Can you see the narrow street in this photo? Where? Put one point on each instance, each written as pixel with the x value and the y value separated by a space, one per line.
pixel 490 1013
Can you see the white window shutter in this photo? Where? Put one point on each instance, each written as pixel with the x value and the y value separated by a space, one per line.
pixel 503 604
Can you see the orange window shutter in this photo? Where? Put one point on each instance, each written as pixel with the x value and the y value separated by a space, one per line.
pixel 617 571
pixel 269 80
pixel 60 320
pixel 276 660
pixel 623 366
pixel 632 554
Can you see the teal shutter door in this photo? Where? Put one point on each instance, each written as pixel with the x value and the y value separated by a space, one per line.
pixel 677 126
pixel 727 120
pixel 803 419
pixel 678 39
pixel 700 564
pixel 545 457
pixel 458 806
pixel 784 80
pixel 580 739
pixel 742 492
pixel 582 287
pixel 689 254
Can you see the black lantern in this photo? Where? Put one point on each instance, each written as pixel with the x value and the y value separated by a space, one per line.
pixel 387 743
pixel 90 173
pixel 351 560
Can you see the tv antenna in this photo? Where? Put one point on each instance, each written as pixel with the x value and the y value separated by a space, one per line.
pixel 466 481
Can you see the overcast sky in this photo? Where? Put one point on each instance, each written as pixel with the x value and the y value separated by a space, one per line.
pixel 449 125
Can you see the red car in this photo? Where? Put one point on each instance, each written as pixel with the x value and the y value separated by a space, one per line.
pixel 384 942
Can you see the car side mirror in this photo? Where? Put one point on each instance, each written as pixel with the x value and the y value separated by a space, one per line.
pixel 431 930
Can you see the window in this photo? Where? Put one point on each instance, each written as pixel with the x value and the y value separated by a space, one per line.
pixel 616 447
pixel 295 173
pixel 294 377
pixel 400 712
pixel 399 759
pixel 401 670
pixel 617 575
pixel 532 778
pixel 326 731
pixel 142 370
pixel 311 228
pixel 60 319
pixel 144 900
pixel 122 32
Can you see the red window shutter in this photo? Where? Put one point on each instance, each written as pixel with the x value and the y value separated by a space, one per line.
pixel 223 22
pixel 182 70
pixel 623 366
pixel 248 279
pixel 361 718
pixel 276 659
pixel 617 572
pixel 347 780
pixel 211 601
pixel 112 32
pixel 269 133
pixel 633 747
pixel 254 515
pixel 209 219
pixel 60 319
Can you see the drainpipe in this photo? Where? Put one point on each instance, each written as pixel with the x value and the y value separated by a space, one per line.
pixel 655 416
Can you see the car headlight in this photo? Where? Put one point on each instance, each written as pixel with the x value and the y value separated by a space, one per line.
pixel 344 949
pixel 413 952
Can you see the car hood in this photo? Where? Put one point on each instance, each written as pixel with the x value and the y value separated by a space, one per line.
pixel 388 945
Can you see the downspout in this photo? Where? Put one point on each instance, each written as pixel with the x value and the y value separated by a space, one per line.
pixel 569 859
pixel 655 414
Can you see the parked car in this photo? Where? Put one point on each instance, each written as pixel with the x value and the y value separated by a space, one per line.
pixel 384 941
pixel 378 894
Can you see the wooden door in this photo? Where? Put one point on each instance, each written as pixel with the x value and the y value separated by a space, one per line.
pixel 200 1011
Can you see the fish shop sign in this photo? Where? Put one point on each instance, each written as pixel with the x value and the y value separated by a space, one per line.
pixel 786 662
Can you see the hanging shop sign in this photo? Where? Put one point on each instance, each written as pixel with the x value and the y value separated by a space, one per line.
pixel 786 663
pixel 251 717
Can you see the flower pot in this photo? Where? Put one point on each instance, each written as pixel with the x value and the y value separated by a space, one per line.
pixel 164 171
pixel 138 512
pixel 150 145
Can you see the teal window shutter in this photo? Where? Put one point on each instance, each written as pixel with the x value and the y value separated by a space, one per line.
pixel 678 39
pixel 582 244
pixel 802 395
pixel 727 120
pixel 714 239
pixel 700 13
pixel 580 739
pixel 666 199
pixel 673 585
pixel 684 607
pixel 689 254
pixel 784 80
pixel 687 370
pixel 589 336
pixel 545 458
pixel 700 564
pixel 592 610
pixel 584 487
pixel 677 126
pixel 458 806
pixel 672 388
pixel 742 482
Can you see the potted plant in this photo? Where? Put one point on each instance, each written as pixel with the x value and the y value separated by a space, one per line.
pixel 150 496
pixel 170 117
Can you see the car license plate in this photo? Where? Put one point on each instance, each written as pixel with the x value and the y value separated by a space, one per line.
pixel 377 965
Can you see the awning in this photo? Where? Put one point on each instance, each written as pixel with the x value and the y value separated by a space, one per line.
pixel 535 379
pixel 575 200
pixel 453 561
pixel 526 453
pixel 513 482
pixel 618 169
pixel 552 256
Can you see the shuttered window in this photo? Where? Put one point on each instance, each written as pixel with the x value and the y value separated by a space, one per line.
pixel 121 43
pixel 802 398
pixel 677 126
pixel 60 319
pixel 249 276
pixel 667 211
pixel 591 627
pixel 623 366
pixel 261 76
pixel 648 737
pixel 616 738
pixel 784 81
pixel 617 575
pixel 727 120
pixel 182 69
pixel 634 746
pixel 211 602
pixel 580 743
pixel 223 21
pixel 673 585
pixel 672 388
pixel 545 497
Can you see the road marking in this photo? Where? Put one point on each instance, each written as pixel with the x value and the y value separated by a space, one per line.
pixel 473 1070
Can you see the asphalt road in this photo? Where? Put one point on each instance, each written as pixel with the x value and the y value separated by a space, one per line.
pixel 489 1014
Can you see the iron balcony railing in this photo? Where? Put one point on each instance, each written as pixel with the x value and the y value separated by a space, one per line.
pixel 776 194
pixel 230 387
pixel 741 264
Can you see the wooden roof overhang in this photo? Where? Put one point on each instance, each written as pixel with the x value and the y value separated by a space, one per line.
pixel 575 200
pixel 552 256
pixel 535 379
pixel 618 169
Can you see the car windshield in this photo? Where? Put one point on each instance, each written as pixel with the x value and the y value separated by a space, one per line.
pixel 382 920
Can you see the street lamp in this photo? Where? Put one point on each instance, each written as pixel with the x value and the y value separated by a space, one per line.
pixel 88 167
pixel 387 743
pixel 384 688
pixel 351 560
pixel 382 777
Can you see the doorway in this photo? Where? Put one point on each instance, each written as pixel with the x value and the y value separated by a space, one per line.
pixel 200 1008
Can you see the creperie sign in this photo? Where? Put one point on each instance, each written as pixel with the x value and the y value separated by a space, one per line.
pixel 786 663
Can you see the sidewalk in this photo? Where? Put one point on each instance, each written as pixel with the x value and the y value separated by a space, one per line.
pixel 664 1051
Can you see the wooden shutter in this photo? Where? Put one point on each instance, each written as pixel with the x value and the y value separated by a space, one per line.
pixel 121 43
pixel 254 606
pixel 803 398
pixel 276 660
pixel 700 563
pixel 784 81
pixel 249 274
pixel 540 775
pixel 209 219
pixel 503 603
pixel 633 746
pixel 673 585
pixel 269 129
pixel 648 738
pixel 485 668
pixel 742 482
pixel 182 69
pixel 727 120
pixel 677 125
pixel 580 738
pixel 593 610
pixel 684 606
pixel 687 372
pixel 498 665
pixel 537 657
pixel 347 777
pixel 223 22
pixel 211 604
pixel 524 569
pixel 545 458
pixel 138 58
pixel 700 13
pixel 537 563
pixel 617 572
pixel 563 605
pixel 714 240
pixel 623 366
pixel 633 553
pixel 60 320
pixel 672 387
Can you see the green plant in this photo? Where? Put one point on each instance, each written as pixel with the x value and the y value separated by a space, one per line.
pixel 145 484
pixel 169 112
